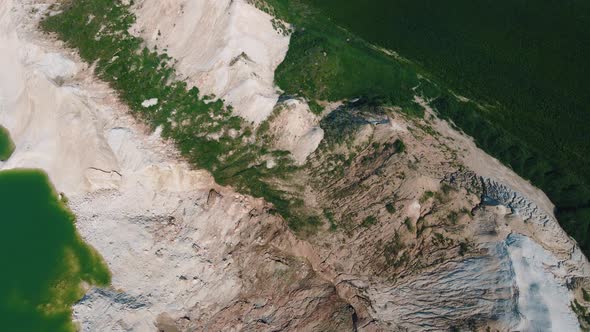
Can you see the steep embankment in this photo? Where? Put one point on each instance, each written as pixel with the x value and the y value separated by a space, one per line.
pixel 397 235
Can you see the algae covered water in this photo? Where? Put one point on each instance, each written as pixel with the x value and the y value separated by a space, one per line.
pixel 6 144
pixel 44 261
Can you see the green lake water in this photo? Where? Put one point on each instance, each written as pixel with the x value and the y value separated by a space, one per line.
pixel 6 144
pixel 44 261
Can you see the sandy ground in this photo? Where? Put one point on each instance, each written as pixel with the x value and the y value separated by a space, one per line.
pixel 64 144
pixel 230 49
pixel 540 222
pixel 166 231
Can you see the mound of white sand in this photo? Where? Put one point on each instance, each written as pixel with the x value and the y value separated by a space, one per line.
pixel 297 130
pixel 53 129
pixel 224 47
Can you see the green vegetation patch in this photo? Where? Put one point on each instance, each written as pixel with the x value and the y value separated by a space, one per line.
pixel 582 314
pixel 426 196
pixel 409 224
pixel 325 62
pixel 529 60
pixel 568 190
pixel 6 144
pixel 44 261
pixel 390 208
pixel 329 215
pixel 453 217
pixel 392 250
pixel 369 221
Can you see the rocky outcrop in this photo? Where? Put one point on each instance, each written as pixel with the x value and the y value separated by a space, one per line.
pixel 462 293
pixel 542 224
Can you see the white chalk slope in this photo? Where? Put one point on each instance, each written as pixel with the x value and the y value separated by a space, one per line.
pixel 224 47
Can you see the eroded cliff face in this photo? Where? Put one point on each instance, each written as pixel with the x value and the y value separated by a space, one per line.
pixel 423 243
pixel 421 230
